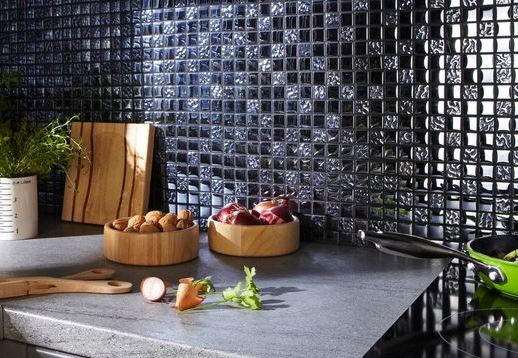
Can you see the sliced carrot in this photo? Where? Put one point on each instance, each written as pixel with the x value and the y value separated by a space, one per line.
pixel 200 287
pixel 188 280
pixel 187 295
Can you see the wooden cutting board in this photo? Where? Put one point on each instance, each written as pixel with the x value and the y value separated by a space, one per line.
pixel 115 181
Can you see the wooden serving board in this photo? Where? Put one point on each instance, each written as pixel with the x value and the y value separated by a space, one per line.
pixel 115 181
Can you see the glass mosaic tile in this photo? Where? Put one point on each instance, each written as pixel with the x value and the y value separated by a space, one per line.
pixel 364 108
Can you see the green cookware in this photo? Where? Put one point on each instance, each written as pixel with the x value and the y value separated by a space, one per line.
pixel 500 315
pixel 484 250
pixel 496 273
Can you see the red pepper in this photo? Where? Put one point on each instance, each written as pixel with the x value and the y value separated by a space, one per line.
pixel 241 217
pixel 284 200
pixel 228 209
pixel 279 214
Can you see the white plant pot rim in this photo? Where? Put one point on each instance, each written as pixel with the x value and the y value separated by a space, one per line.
pixel 15 178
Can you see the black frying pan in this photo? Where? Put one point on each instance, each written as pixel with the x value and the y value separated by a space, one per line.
pixel 499 274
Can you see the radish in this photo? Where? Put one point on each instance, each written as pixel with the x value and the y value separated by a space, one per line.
pixel 153 289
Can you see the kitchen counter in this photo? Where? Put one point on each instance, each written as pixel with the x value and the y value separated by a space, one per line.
pixel 321 301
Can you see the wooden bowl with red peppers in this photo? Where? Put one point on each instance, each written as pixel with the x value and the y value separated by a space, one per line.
pixel 269 229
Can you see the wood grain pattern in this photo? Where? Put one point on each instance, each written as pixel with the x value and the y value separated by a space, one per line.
pixel 115 180
pixel 45 285
pixel 254 240
pixel 13 289
pixel 100 273
pixel 156 249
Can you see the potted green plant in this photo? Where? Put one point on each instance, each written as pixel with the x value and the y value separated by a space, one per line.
pixel 28 151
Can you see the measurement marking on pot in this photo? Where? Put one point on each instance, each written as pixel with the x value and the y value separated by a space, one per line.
pixel 7 214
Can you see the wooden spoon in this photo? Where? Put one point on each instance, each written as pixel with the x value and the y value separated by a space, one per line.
pixel 44 285
pixel 79 282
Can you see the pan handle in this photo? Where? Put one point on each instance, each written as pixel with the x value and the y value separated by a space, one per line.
pixel 416 246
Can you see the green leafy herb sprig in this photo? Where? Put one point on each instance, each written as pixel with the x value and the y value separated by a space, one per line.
pixel 206 284
pixel 31 150
pixel 244 294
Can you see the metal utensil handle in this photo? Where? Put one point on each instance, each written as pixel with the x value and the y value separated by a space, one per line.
pixel 422 248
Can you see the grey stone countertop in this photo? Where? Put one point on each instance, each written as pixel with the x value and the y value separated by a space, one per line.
pixel 322 301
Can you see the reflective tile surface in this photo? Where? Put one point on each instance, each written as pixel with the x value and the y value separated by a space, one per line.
pixel 387 114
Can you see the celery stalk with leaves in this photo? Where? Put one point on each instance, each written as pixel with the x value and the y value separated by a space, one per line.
pixel 245 294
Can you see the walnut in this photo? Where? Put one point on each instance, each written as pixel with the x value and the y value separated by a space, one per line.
pixel 168 222
pixel 185 215
pixel 129 229
pixel 120 224
pixel 183 224
pixel 168 227
pixel 148 227
pixel 136 221
pixel 154 216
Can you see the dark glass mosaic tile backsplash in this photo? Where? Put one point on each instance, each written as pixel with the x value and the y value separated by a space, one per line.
pixel 392 114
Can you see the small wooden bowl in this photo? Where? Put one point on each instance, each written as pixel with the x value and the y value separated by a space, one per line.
pixel 153 249
pixel 254 240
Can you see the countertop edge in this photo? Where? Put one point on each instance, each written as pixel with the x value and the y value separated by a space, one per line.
pixel 70 337
pixel 413 300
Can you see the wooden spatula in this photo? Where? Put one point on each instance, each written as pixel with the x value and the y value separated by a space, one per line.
pixel 92 274
pixel 80 282
pixel 38 286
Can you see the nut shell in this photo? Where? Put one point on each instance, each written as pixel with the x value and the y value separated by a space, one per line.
pixel 168 227
pixel 136 221
pixel 185 215
pixel 154 216
pixel 148 227
pixel 129 229
pixel 120 224
pixel 183 224
pixel 168 222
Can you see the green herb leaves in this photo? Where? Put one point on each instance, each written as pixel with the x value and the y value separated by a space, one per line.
pixel 32 150
pixel 244 297
pixel 250 273
pixel 204 285
pixel 244 294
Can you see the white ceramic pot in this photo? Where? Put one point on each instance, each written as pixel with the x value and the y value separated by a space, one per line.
pixel 18 208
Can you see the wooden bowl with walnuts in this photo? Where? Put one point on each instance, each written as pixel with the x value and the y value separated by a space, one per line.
pixel 153 239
